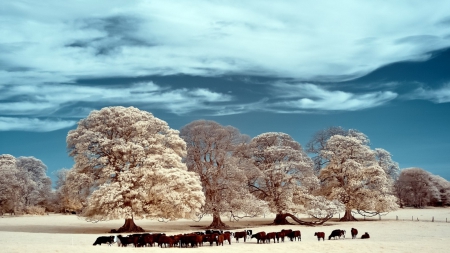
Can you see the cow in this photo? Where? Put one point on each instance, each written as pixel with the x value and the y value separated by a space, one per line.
pixel 146 240
pixel 165 240
pixel 271 235
pixel 227 237
pixel 124 241
pixel 260 237
pixel 192 239
pixel 249 233
pixel 365 236
pixel 336 233
pixel 219 240
pixel 354 232
pixel 295 235
pixel 238 235
pixel 320 235
pixel 104 239
pixel 280 235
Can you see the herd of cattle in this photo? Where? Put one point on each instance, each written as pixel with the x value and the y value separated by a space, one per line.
pixel 212 237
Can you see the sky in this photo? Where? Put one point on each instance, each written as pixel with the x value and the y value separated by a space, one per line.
pixel 298 67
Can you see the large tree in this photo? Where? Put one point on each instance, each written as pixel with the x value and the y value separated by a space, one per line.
pixel 128 165
pixel 418 188
pixel 286 179
pixel 214 152
pixel 354 177
pixel 10 185
pixel 38 189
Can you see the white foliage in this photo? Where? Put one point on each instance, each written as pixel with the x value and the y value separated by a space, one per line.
pixel 23 184
pixel 354 177
pixel 215 152
pixel 286 179
pixel 128 164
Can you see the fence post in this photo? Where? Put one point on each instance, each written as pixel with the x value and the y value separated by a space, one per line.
pixel 412 218
pixel 396 217
pixel 379 216
pixel 432 219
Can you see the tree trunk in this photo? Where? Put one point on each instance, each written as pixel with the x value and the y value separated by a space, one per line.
pixel 128 227
pixel 280 219
pixel 348 216
pixel 217 222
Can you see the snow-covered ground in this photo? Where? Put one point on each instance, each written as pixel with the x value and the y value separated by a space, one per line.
pixel 68 233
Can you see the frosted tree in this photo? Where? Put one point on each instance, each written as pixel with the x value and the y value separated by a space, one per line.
pixel 417 187
pixel 443 190
pixel 128 165
pixel 320 139
pixel 213 153
pixel 385 161
pixel 38 187
pixel 69 200
pixel 10 185
pixel 354 177
pixel 286 179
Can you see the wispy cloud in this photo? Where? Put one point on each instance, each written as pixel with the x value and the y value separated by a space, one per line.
pixel 45 99
pixel 440 95
pixel 307 97
pixel 33 124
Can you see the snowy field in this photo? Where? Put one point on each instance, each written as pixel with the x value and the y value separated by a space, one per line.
pixel 68 233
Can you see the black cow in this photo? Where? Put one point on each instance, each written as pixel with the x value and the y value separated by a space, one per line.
pixel 104 239
pixel 365 236
pixel 354 233
pixel 124 241
pixel 295 235
pixel 337 233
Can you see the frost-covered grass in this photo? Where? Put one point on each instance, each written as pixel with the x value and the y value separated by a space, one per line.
pixel 67 233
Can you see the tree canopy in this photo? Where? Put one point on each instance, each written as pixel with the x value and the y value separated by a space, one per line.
pixel 24 185
pixel 354 177
pixel 128 164
pixel 286 180
pixel 213 151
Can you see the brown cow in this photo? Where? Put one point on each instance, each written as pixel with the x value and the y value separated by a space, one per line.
pixel 165 240
pixel 227 237
pixel 271 235
pixel 365 236
pixel 280 235
pixel 238 235
pixel 219 240
pixel 320 235
pixel 260 237
pixel 354 232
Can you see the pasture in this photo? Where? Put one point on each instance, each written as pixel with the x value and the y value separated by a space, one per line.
pixel 68 233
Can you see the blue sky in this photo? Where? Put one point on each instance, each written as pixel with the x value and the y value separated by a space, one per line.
pixel 297 67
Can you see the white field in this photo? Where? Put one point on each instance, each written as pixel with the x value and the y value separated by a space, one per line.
pixel 68 233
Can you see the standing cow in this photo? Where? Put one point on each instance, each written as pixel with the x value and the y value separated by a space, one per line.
pixel 320 235
pixel 354 232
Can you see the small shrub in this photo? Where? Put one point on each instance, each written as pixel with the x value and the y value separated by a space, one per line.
pixel 35 210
